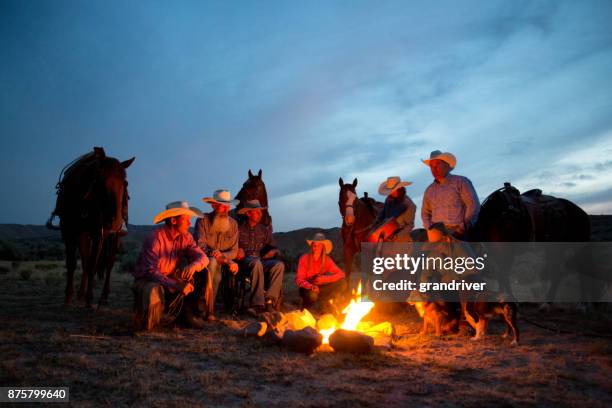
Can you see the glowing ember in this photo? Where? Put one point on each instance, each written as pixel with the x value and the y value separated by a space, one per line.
pixel 326 333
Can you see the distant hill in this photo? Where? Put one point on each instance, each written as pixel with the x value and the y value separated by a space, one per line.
pixel 36 242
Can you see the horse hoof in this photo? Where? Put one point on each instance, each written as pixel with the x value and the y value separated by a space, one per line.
pixel 514 343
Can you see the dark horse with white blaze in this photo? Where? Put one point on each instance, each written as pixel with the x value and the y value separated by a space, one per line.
pixel 92 206
pixel 358 216
pixel 508 216
pixel 254 189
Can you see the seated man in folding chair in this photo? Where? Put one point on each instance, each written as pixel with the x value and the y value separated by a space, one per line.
pixel 159 279
pixel 256 253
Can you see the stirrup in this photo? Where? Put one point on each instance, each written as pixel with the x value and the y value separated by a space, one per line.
pixel 50 224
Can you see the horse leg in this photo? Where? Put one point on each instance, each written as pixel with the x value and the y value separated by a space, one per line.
pixel 111 248
pixel 348 263
pixel 96 249
pixel 85 251
pixel 71 248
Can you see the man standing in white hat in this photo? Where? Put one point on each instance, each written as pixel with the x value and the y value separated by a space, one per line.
pixel 450 199
pixel 217 234
pixel 158 273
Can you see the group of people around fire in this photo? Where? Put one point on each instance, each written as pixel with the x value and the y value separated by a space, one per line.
pixel 173 263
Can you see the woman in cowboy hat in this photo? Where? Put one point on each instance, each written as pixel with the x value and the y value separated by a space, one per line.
pixel 397 216
pixel 169 264
pixel 318 277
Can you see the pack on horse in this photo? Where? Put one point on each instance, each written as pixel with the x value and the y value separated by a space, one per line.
pixel 508 216
pixel 358 216
pixel 253 189
pixel 92 204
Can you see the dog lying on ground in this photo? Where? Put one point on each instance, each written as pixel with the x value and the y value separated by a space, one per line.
pixel 477 314
pixel 442 316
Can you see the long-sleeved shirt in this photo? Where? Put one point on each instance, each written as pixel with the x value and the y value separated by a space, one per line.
pixel 452 201
pixel 226 242
pixel 160 254
pixel 311 272
pixel 253 239
pixel 403 211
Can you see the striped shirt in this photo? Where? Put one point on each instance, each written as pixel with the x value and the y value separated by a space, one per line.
pixel 160 255
pixel 452 201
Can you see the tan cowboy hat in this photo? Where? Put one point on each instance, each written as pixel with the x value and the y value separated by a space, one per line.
pixel 221 197
pixel 175 209
pixel 392 183
pixel 444 156
pixel 251 205
pixel 320 237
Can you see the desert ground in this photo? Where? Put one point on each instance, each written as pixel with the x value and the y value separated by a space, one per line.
pixel 564 357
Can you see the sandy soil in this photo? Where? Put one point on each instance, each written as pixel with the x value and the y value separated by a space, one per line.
pixel 43 343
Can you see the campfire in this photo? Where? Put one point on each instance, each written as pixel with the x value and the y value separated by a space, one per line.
pixel 354 312
pixel 300 331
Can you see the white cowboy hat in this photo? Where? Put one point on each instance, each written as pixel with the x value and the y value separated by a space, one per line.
pixel 320 237
pixel 251 205
pixel 444 156
pixel 221 197
pixel 392 183
pixel 175 209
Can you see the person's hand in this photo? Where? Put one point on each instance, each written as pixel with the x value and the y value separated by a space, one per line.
pixel 187 289
pixel 270 254
pixel 216 254
pixel 233 267
pixel 315 288
pixel 187 273
pixel 240 255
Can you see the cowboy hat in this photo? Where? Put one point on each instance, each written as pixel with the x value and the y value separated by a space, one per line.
pixel 392 183
pixel 221 197
pixel 444 156
pixel 320 237
pixel 251 205
pixel 175 209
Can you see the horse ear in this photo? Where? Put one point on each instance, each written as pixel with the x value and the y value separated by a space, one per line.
pixel 250 174
pixel 259 174
pixel 341 182
pixel 127 163
pixel 99 151
pixel 355 182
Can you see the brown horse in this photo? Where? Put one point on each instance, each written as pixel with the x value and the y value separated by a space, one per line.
pixel 358 216
pixel 508 216
pixel 92 206
pixel 254 189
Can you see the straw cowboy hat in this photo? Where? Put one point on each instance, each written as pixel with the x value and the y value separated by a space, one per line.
pixel 320 237
pixel 175 209
pixel 444 156
pixel 392 183
pixel 221 197
pixel 251 205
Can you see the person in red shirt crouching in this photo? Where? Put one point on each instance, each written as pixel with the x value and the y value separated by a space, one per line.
pixel 318 277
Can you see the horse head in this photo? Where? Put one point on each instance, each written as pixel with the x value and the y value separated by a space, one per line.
pixel 503 217
pixel 253 189
pixel 346 201
pixel 108 195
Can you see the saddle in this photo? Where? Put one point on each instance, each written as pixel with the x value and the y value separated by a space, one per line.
pixel 546 213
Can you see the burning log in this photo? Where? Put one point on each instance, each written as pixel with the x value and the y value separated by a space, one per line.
pixel 350 341
pixel 305 340
pixel 255 329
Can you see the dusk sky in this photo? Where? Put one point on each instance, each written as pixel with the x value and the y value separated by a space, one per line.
pixel 201 92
